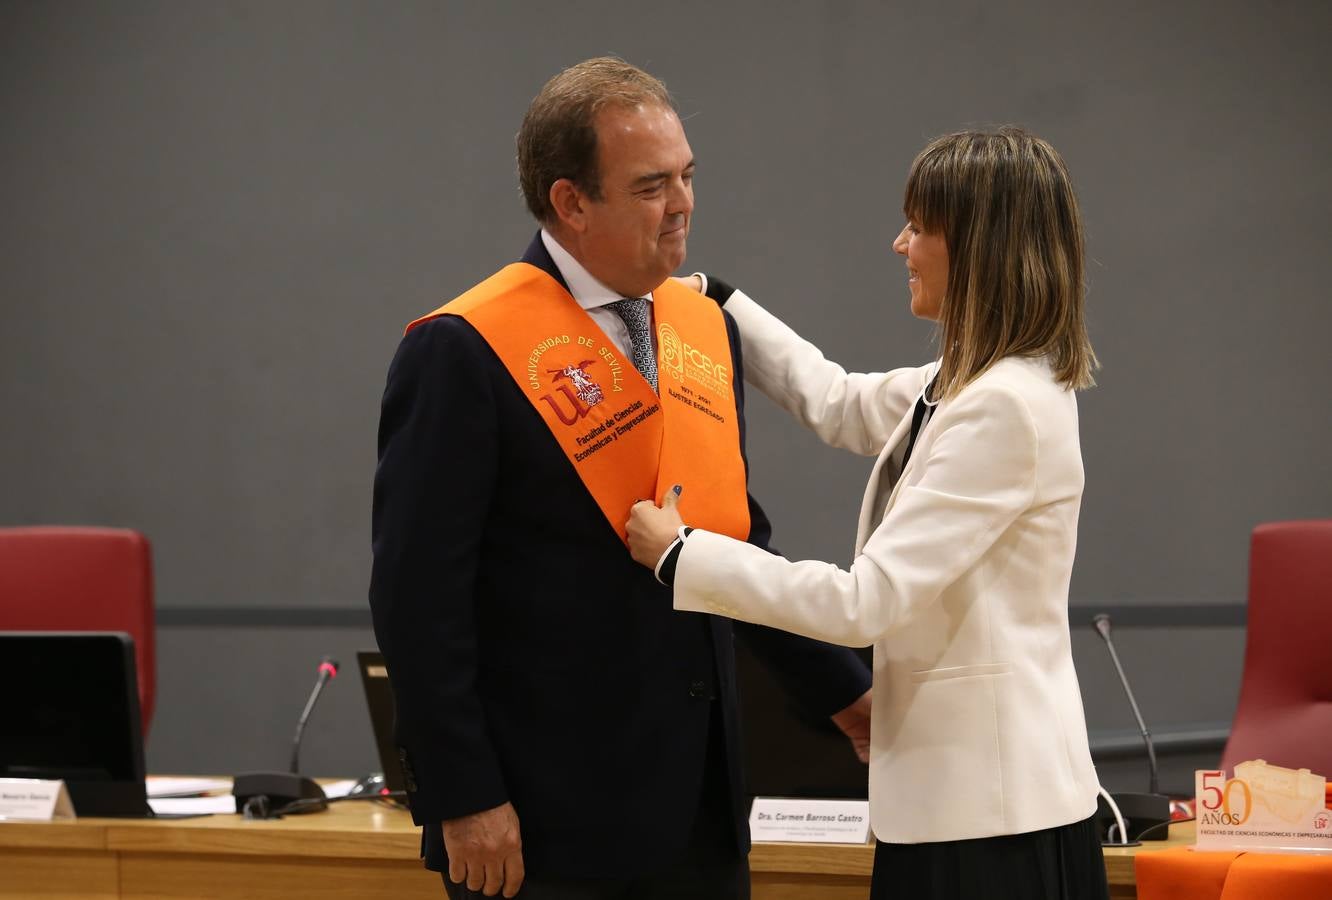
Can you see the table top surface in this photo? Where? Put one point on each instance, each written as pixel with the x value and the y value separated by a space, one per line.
pixel 369 829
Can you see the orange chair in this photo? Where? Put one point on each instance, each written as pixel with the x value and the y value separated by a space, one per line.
pixel 56 578
pixel 1285 704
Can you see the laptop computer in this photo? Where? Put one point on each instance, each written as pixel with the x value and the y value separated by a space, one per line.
pixel 71 711
pixel 379 700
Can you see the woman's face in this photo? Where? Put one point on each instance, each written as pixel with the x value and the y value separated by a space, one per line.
pixel 927 269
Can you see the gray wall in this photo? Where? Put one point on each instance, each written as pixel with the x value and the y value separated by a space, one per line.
pixel 217 217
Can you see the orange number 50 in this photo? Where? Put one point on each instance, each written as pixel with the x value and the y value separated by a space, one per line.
pixel 1248 801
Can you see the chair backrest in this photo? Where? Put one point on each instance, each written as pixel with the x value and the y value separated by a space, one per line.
pixel 58 578
pixel 1284 714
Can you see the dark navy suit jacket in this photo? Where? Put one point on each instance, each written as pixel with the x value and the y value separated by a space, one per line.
pixel 532 660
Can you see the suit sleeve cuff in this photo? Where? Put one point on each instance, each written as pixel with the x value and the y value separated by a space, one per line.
pixel 447 785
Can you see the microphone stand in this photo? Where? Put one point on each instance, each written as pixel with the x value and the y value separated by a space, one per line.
pixel 1102 624
pixel 328 670
pixel 267 795
pixel 1140 812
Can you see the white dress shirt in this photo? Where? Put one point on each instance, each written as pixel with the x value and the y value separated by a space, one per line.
pixel 593 296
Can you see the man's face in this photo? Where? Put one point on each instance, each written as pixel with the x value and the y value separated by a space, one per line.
pixel 635 235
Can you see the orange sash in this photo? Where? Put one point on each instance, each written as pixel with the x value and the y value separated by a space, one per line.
pixel 626 443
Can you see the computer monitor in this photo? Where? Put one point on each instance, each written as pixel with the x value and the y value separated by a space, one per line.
pixel 71 711
pixel 379 699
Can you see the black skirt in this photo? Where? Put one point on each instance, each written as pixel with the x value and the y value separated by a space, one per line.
pixel 1064 863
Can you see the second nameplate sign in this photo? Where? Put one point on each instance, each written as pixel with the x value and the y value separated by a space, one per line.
pixel 809 821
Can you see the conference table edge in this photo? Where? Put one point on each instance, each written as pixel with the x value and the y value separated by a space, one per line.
pixel 67 834
pixel 389 835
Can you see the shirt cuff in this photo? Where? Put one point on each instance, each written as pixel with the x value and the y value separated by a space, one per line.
pixel 664 571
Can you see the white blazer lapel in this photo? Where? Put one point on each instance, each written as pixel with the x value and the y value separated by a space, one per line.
pixel 871 513
pixel 915 457
pixel 874 506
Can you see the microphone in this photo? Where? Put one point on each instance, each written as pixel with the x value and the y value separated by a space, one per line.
pixel 1102 624
pixel 328 670
pixel 1141 812
pixel 269 795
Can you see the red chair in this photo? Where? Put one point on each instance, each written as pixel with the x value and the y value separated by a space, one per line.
pixel 56 578
pixel 1285 704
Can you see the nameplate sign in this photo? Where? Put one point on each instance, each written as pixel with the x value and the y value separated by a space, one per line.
pixel 1263 807
pixel 809 821
pixel 34 800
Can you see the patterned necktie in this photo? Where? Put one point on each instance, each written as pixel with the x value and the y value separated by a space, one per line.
pixel 637 318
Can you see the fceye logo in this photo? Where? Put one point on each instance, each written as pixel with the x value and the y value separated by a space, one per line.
pixel 681 360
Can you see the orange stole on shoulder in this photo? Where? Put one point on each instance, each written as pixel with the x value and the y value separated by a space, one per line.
pixel 626 443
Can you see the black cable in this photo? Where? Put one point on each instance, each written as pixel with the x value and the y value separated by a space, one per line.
pixel 1166 824
pixel 371 795
pixel 257 807
pixel 308 804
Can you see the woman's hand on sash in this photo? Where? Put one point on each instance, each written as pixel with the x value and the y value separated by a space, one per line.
pixel 652 528
pixel 693 282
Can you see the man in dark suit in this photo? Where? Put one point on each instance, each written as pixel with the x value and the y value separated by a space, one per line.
pixel 561 729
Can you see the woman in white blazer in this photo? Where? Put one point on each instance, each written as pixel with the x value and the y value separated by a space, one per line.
pixel 981 782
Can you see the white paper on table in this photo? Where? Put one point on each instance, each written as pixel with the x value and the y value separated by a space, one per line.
pixel 339 788
pixel 223 803
pixel 165 786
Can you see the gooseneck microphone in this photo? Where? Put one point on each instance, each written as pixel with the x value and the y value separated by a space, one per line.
pixel 328 670
pixel 1102 624
pixel 1137 813
pixel 268 795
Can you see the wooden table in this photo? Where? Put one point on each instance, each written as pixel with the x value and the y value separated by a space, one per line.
pixel 1119 863
pixel 358 850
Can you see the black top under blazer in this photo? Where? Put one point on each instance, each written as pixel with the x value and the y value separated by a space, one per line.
pixel 532 660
